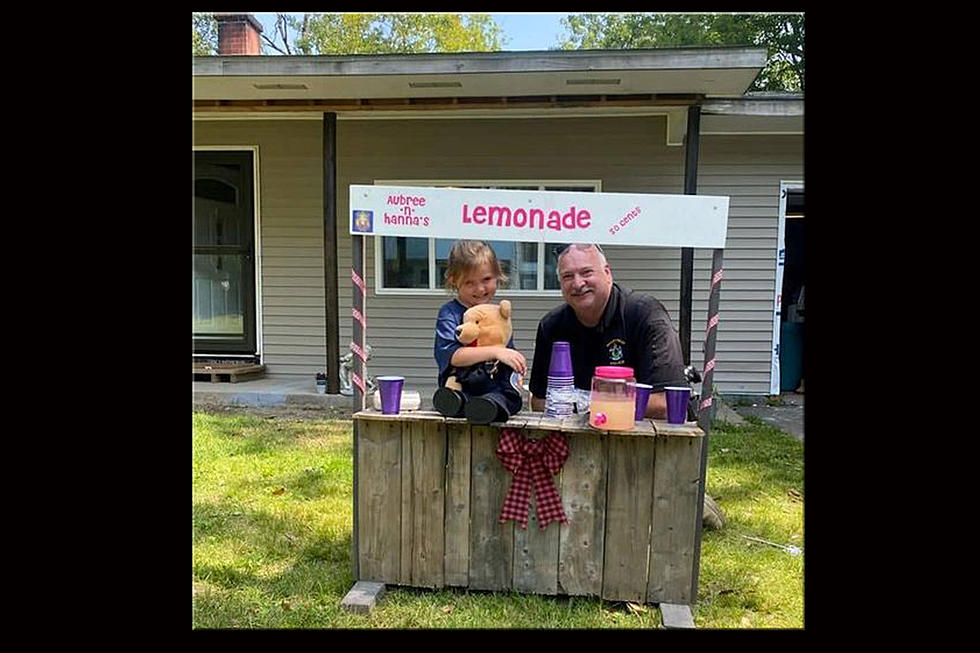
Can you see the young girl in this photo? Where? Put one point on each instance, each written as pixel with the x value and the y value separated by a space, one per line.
pixel 472 273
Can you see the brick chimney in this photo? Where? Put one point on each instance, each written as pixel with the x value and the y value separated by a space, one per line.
pixel 238 34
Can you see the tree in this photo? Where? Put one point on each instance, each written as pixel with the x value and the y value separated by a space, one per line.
pixel 781 34
pixel 393 33
pixel 204 35
pixel 335 33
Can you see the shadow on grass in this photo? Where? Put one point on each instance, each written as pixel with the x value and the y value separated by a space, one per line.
pixel 261 539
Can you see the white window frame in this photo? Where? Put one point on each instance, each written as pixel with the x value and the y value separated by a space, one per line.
pixel 435 287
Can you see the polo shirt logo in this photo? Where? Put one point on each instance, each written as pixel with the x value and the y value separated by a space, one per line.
pixel 615 349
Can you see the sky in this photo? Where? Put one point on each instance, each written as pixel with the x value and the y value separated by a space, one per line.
pixel 524 31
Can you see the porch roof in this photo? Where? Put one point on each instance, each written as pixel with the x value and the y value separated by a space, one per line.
pixel 687 71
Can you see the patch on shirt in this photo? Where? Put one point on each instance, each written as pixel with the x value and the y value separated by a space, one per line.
pixel 615 349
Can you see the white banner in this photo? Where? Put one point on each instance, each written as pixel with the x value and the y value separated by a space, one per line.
pixel 540 216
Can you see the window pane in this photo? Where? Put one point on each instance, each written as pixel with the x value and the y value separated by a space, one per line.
pixel 517 260
pixel 406 262
pixel 218 198
pixel 218 296
pixel 443 245
pixel 550 267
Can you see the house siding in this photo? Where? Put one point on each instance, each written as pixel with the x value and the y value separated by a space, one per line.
pixel 291 237
pixel 627 154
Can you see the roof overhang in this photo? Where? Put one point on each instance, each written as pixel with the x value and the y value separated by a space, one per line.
pixel 553 83
pixel 706 72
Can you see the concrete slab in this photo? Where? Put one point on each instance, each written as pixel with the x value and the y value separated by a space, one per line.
pixel 787 416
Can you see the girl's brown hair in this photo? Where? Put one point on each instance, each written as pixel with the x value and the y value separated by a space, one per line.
pixel 467 255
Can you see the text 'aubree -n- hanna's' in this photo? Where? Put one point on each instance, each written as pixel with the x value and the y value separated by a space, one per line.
pixel 406 214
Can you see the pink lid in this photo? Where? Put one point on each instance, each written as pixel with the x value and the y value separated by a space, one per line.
pixel 614 372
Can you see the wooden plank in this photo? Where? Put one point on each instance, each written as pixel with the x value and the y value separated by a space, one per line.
pixel 405 520
pixel 428 491
pixel 379 500
pixel 491 543
pixel 457 511
pixel 676 616
pixel 536 550
pixel 362 598
pixel 583 492
pixel 627 538
pixel 674 513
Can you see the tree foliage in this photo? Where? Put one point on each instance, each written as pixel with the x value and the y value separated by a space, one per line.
pixel 204 35
pixel 336 33
pixel 395 33
pixel 781 34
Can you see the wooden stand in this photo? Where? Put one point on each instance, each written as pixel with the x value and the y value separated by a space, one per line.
pixel 429 492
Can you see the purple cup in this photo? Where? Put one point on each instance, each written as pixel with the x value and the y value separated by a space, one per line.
pixel 390 388
pixel 642 397
pixel 677 400
pixel 561 360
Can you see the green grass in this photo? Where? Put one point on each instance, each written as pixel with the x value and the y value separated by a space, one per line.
pixel 272 538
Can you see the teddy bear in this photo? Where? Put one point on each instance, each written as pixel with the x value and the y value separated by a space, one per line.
pixel 483 392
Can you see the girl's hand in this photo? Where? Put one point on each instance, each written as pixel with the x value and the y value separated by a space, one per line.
pixel 514 359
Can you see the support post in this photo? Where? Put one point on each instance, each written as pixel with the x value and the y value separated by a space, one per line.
pixel 692 145
pixel 331 309
pixel 358 372
pixel 706 410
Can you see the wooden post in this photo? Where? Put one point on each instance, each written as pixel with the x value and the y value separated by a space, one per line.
pixel 687 253
pixel 357 370
pixel 706 411
pixel 331 310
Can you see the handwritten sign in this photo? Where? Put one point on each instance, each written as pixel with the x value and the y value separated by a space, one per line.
pixel 540 216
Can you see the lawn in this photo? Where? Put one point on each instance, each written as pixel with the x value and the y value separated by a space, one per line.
pixel 272 538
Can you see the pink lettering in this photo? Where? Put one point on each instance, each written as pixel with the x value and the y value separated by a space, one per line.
pixel 583 220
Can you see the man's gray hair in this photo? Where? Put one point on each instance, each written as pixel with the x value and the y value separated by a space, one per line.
pixel 580 246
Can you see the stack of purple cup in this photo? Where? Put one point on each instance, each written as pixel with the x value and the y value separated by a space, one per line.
pixel 560 399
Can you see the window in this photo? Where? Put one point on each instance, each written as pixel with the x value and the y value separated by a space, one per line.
pixel 419 264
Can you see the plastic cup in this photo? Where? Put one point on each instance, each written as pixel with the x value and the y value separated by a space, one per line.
pixel 390 388
pixel 677 400
pixel 561 360
pixel 642 397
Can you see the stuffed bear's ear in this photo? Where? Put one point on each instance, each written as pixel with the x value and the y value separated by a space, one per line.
pixel 505 308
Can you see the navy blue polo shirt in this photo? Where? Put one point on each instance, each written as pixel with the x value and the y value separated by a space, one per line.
pixel 634 331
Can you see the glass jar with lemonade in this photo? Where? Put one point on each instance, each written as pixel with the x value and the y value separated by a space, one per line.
pixel 612 403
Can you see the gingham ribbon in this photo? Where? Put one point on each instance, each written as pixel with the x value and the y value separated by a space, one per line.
pixel 359 317
pixel 357 350
pixel 717 278
pixel 532 461
pixel 358 281
pixel 356 380
pixel 712 323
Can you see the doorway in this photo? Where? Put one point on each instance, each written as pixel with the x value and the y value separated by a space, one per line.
pixel 788 325
pixel 224 249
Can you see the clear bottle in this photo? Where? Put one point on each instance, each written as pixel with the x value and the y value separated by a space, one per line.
pixel 612 403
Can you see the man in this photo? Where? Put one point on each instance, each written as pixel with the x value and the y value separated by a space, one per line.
pixel 606 325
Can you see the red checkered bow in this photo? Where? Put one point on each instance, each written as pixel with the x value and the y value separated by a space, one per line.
pixel 528 459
